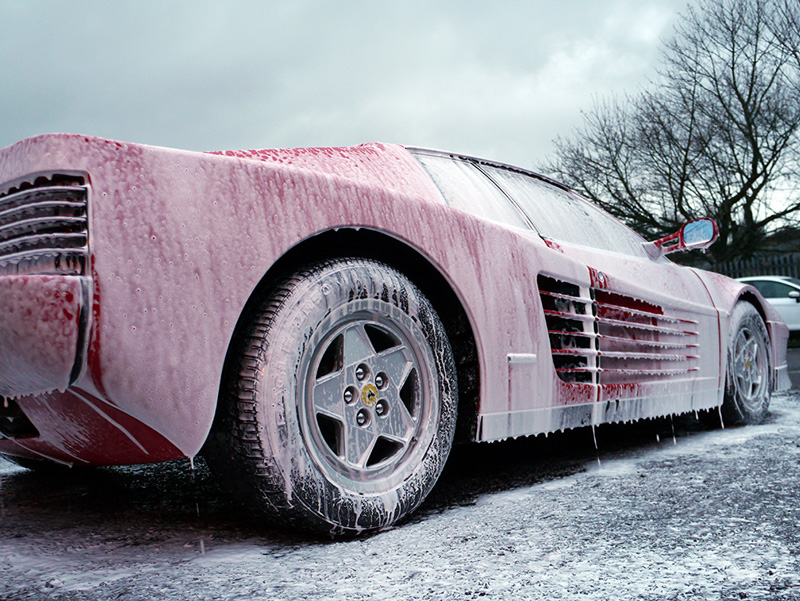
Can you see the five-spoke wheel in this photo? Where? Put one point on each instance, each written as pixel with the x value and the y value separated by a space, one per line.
pixel 363 405
pixel 340 403
pixel 747 391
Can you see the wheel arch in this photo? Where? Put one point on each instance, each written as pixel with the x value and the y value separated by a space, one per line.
pixel 371 244
pixel 750 297
pixel 738 404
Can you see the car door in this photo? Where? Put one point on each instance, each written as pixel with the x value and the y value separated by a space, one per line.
pixel 641 333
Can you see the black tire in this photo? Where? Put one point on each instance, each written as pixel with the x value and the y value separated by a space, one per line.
pixel 339 402
pixel 747 381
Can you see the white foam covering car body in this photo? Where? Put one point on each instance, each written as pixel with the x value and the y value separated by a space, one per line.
pixel 324 323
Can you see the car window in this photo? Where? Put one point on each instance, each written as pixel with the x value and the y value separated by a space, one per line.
pixel 562 215
pixel 466 188
pixel 772 289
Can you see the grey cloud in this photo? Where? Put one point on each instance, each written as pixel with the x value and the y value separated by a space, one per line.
pixel 499 79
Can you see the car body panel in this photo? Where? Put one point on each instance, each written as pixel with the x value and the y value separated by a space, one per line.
pixel 595 403
pixel 179 241
pixel 722 289
pixel 77 428
pixel 36 309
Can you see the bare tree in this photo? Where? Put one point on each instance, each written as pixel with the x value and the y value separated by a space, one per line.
pixel 715 135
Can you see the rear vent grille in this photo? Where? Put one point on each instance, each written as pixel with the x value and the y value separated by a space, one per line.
pixel 602 337
pixel 44 225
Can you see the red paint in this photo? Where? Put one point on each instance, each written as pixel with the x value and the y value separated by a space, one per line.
pixel 626 390
pixel 38 332
pixel 598 279
pixel 575 394
pixel 181 240
pixel 77 427
pixel 553 244
pixel 93 353
pixel 619 300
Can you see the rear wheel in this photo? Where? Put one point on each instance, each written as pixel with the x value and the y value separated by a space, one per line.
pixel 340 401
pixel 747 388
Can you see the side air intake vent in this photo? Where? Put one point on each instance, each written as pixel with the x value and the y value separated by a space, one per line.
pixel 44 225
pixel 602 337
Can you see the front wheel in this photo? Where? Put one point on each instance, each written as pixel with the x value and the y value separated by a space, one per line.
pixel 339 404
pixel 747 387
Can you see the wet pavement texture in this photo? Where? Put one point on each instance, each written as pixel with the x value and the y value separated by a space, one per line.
pixel 664 509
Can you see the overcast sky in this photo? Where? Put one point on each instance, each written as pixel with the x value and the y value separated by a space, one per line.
pixel 498 79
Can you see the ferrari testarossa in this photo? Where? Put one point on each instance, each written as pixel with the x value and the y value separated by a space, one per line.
pixel 323 323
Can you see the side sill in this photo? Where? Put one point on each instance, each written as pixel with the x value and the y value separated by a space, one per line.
pixel 511 424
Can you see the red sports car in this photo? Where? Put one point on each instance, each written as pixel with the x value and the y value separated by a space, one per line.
pixel 323 323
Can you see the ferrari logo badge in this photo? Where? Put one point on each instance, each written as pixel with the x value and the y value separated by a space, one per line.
pixel 369 395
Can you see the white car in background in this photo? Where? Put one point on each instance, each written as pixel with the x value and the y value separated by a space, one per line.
pixel 783 293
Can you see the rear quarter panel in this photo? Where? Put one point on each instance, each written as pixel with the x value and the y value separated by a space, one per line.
pixel 180 240
pixel 726 292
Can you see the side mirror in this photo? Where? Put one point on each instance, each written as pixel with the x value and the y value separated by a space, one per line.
pixel 795 295
pixel 700 233
pixel 694 235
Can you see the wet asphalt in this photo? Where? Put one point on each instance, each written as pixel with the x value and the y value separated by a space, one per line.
pixel 663 509
pixel 793 360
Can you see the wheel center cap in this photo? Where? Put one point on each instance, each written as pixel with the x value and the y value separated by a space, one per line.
pixel 369 395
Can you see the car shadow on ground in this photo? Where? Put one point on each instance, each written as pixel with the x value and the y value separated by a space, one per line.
pixel 170 501
pixel 154 503
pixel 477 469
